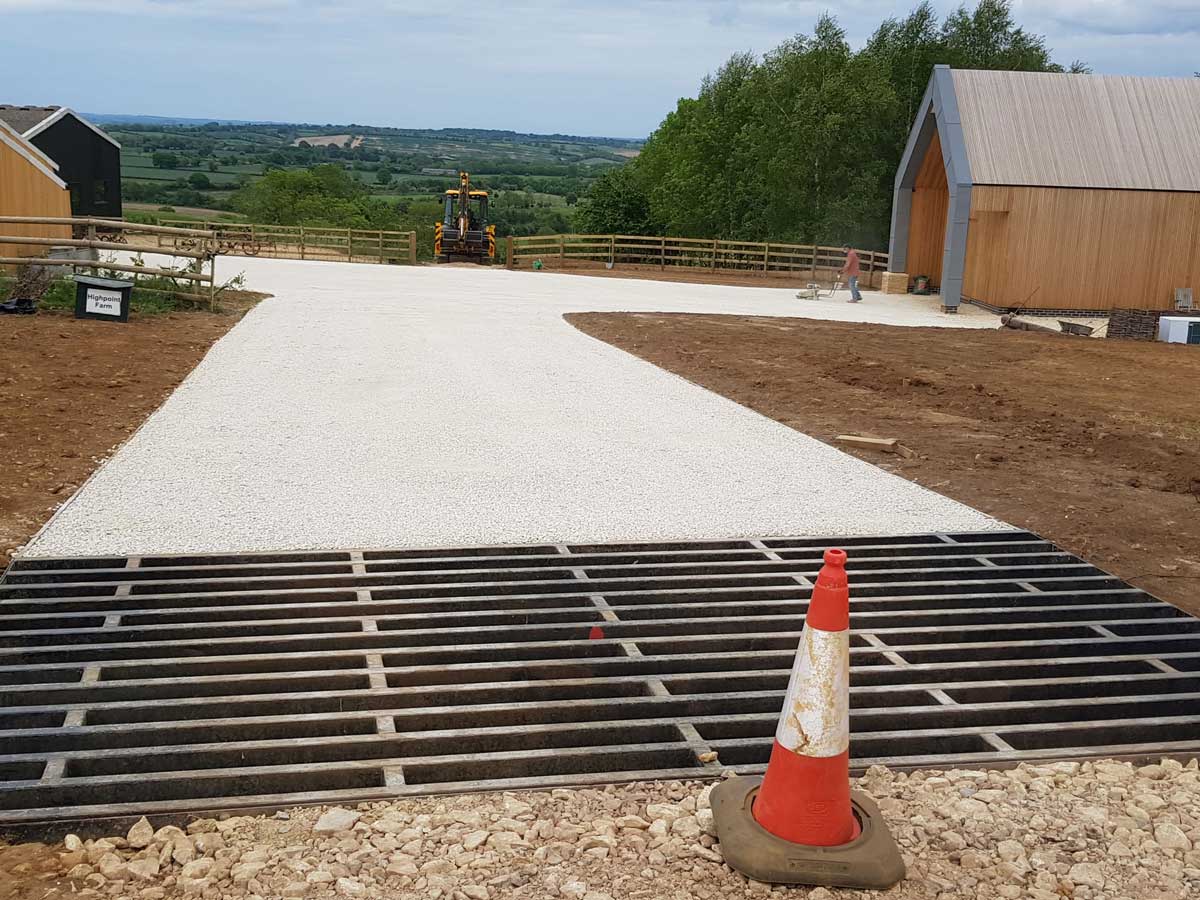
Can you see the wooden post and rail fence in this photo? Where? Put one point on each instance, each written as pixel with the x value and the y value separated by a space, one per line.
pixel 57 242
pixel 797 262
pixel 304 242
pixel 48 234
pixel 202 242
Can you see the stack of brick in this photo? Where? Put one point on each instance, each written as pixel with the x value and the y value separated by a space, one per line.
pixel 1135 324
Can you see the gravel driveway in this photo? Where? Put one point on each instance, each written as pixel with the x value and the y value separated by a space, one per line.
pixel 369 406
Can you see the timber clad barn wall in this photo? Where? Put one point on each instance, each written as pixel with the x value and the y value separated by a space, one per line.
pixel 930 202
pixel 1124 248
pixel 29 187
pixel 1083 190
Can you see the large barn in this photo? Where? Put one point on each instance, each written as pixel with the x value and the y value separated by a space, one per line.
pixel 29 186
pixel 1051 192
pixel 89 161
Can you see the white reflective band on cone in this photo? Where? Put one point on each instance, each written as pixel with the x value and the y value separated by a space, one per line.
pixel 816 713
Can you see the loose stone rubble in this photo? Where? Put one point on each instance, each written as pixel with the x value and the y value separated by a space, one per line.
pixel 1090 831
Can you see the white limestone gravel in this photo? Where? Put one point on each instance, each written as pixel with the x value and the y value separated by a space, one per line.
pixel 1087 831
pixel 369 406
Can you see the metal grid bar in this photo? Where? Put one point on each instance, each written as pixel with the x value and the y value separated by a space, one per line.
pixel 186 683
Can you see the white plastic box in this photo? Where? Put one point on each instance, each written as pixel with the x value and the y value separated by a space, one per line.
pixel 1174 329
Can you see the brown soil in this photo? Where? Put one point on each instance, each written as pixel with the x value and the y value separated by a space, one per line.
pixel 198 212
pixel 71 390
pixel 1093 444
pixel 32 872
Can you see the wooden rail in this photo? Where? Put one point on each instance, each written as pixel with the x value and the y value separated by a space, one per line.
pixel 303 242
pixel 115 235
pixel 88 222
pixel 797 261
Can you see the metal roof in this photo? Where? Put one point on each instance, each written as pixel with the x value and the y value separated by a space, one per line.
pixel 1086 131
pixel 23 118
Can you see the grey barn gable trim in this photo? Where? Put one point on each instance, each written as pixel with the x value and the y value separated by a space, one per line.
pixel 938 111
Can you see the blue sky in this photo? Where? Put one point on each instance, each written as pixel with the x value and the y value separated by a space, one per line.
pixel 612 68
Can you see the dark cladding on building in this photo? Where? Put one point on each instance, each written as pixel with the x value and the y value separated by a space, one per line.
pixel 87 159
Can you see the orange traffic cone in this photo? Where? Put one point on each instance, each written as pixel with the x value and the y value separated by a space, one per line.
pixel 805 797
pixel 801 824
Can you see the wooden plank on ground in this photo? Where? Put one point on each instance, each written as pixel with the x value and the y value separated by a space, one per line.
pixel 887 445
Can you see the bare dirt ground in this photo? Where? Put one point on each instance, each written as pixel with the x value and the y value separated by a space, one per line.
pixel 32 871
pixel 328 140
pixel 199 212
pixel 73 389
pixel 1092 444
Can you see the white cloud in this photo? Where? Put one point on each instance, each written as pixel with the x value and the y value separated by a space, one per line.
pixel 1117 17
pixel 531 64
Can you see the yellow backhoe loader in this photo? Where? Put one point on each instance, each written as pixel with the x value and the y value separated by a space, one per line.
pixel 464 232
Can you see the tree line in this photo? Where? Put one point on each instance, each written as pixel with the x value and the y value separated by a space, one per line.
pixel 802 145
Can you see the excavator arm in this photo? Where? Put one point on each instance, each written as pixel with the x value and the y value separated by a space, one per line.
pixel 464 230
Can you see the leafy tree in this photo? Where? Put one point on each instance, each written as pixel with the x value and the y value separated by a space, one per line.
pixel 617 204
pixel 802 145
pixel 908 48
pixel 987 38
pixel 163 160
pixel 199 181
pixel 383 176
pixel 325 195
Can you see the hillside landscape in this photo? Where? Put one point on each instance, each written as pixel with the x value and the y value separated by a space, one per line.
pixel 800 145
pixel 387 178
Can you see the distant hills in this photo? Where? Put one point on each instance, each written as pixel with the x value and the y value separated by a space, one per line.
pixel 469 134
pixel 122 119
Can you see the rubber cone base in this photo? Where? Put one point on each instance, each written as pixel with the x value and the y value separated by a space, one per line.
pixel 869 862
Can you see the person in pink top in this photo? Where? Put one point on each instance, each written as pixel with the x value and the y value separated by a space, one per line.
pixel 850 270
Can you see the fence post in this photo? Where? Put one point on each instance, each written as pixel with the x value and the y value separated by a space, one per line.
pixel 814 263
pixel 871 268
pixel 302 242
pixel 766 257
pixel 612 249
pixel 662 253
pixel 412 248
pixel 713 262
pixel 562 250
pixel 509 261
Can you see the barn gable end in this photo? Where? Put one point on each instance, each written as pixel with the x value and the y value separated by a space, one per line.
pixel 1062 192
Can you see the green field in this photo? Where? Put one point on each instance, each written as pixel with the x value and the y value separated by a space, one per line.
pixel 534 179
